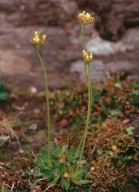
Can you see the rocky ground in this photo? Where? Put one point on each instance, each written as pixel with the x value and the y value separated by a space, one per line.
pixel 112 141
pixel 114 40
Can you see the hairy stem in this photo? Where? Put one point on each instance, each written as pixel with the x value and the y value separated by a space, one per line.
pixel 83 38
pixel 46 97
pixel 87 72
pixel 88 113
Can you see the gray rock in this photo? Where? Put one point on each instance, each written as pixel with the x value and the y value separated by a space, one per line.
pixel 98 70
pixel 111 57
pixel 113 16
pixel 63 49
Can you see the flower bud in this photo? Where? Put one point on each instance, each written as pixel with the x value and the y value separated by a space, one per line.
pixel 43 38
pixel 38 38
pixel 66 175
pixel 35 33
pixel 88 57
pixel 84 53
pixel 85 18
pixel 91 57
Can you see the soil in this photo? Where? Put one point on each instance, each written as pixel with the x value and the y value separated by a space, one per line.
pixel 22 121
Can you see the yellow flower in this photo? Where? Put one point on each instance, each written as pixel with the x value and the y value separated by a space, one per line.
pixel 35 33
pixel 81 15
pixel 91 56
pixel 36 40
pixel 66 175
pixel 114 147
pixel 84 53
pixel 85 18
pixel 43 38
pixel 39 38
pixel 88 57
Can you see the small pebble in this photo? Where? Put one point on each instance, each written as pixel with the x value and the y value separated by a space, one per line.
pixel 92 169
pixel 33 90
pixel 126 121
pixel 33 127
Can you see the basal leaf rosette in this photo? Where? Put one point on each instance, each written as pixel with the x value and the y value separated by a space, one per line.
pixel 62 171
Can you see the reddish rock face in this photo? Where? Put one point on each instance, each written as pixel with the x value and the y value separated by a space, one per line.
pixel 62 50
pixel 114 16
pixel 40 12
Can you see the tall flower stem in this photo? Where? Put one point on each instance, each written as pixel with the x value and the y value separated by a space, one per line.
pixel 88 75
pixel 46 96
pixel 88 113
pixel 83 38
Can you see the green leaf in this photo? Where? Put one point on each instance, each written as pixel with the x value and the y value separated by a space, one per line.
pixel 79 181
pixel 65 183
pixel 76 180
pixel 118 85
pixel 71 168
pixel 3 96
pixel 77 153
pixel 63 170
pixel 119 163
pixel 48 173
pixel 80 171
pixel 84 181
pixel 135 92
pixel 64 148
pixel 54 171
pixel 129 130
pixel 115 112
pixel 41 163
pixel 82 162
pixel 100 152
pixel 134 97
pixel 54 182
pixel 135 85
pixel 3 92
pixel 55 146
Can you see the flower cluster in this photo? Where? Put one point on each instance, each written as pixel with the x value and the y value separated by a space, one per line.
pixel 88 57
pixel 39 38
pixel 85 18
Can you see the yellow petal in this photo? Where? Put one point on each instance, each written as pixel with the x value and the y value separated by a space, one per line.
pixel 36 33
pixel 87 16
pixel 66 175
pixel 43 38
pixel 114 147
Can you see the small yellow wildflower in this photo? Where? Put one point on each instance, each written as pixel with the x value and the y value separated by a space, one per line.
pixel 36 33
pixel 66 175
pixel 88 57
pixel 43 38
pixel 85 18
pixel 114 147
pixel 39 38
